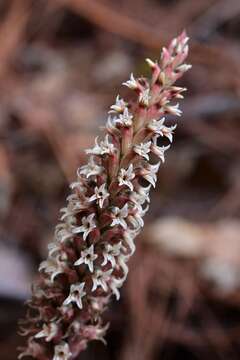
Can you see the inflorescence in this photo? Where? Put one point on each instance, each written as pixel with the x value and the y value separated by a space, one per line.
pixel 87 261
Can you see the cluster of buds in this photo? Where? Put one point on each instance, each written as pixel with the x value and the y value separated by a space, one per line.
pixel 87 261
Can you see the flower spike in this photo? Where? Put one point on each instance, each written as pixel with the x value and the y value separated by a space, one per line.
pixel 87 260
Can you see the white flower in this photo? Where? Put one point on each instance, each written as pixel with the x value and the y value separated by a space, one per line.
pixel 151 63
pixel 156 125
pixel 132 83
pixel 62 351
pixel 54 248
pixel 100 278
pixel 122 260
pixel 110 252
pixel 90 169
pixel 87 257
pixel 159 128
pixel 129 237
pixel 49 331
pixel 95 332
pixel 53 267
pixel 145 97
pixel 150 173
pixel 114 285
pixel 125 119
pixel 136 219
pixel 119 106
pixel 105 147
pixel 126 176
pixel 168 132
pixel 100 194
pixel 76 294
pixel 184 67
pixel 67 213
pixel 63 232
pixel 159 150
pixel 88 224
pixel 110 126
pixel 31 350
pixel 141 196
pixel 177 90
pixel 143 149
pixel 119 216
pixel 79 185
pixel 174 110
pixel 75 203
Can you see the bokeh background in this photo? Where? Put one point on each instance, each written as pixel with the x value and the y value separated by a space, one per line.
pixel 61 66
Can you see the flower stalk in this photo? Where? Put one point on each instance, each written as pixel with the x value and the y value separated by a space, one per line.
pixel 87 261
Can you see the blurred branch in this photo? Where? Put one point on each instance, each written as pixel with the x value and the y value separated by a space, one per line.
pixel 217 14
pixel 12 30
pixel 134 30
pixel 212 136
pixel 45 122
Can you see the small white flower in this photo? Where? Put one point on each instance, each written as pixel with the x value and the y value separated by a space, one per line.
pixel 184 67
pixel 141 196
pixel 132 83
pixel 151 63
pixel 67 213
pixel 76 295
pixel 119 106
pixel 110 252
pixel 119 216
pixel 177 90
pixel 173 43
pixel 95 332
pixel 100 194
pixel 125 119
pixel 90 169
pixel 78 185
pixel 63 233
pixel 49 331
pixel 114 285
pixel 159 150
pixel 101 278
pixel 136 219
pixel 150 173
pixel 168 132
pixel 133 221
pixel 75 204
pixel 159 128
pixel 88 224
pixel 143 149
pixel 87 257
pixel 174 109
pixel 31 349
pixel 126 176
pixel 62 351
pixel 145 97
pixel 53 267
pixel 54 248
pixel 122 262
pixel 105 147
pixel 129 237
pixel 156 125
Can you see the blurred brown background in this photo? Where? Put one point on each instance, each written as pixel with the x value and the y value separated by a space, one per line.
pixel 61 66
